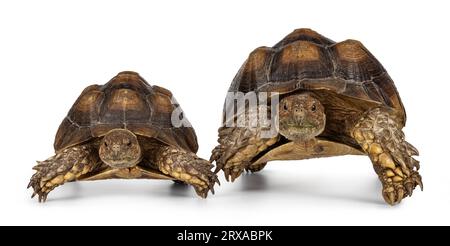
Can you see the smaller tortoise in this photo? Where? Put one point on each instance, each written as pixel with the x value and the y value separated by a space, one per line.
pixel 335 99
pixel 123 129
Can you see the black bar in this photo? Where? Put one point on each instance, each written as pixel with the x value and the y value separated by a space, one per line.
pixel 230 235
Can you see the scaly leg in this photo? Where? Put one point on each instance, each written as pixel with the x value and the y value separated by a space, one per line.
pixel 186 167
pixel 237 147
pixel 63 167
pixel 381 137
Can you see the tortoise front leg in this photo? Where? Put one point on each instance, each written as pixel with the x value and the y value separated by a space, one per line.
pixel 381 137
pixel 63 167
pixel 237 147
pixel 186 167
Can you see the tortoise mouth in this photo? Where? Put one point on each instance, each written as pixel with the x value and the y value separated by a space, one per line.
pixel 305 125
pixel 122 163
pixel 299 130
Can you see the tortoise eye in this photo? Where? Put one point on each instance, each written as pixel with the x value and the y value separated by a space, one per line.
pixel 285 107
pixel 313 108
pixel 126 142
pixel 106 145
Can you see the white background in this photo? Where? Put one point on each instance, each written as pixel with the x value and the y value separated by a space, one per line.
pixel 51 50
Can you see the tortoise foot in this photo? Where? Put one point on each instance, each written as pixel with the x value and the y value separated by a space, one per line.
pixel 186 167
pixel 238 146
pixel 63 167
pixel 395 191
pixel 232 172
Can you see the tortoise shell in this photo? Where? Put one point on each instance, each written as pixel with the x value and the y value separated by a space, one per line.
pixel 127 101
pixel 306 60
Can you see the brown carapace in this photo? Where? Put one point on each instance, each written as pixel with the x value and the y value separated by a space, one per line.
pixel 123 129
pixel 318 80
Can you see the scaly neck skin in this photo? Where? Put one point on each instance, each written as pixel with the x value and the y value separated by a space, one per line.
pixel 301 117
pixel 120 148
pixel 150 150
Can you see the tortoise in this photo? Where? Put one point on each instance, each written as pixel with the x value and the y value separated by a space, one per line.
pixel 123 129
pixel 333 99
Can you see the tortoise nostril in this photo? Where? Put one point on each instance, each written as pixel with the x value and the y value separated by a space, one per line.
pixel 116 148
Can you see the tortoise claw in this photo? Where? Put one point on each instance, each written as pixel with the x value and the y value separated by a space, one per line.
pixel 235 174
pixel 409 188
pixel 400 194
pixel 419 182
pixel 389 198
pixel 411 149
pixel 226 173
pixel 43 197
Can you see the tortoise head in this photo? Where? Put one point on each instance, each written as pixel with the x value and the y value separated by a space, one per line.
pixel 120 148
pixel 301 117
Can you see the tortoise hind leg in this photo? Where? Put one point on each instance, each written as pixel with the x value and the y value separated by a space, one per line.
pixel 61 168
pixel 381 137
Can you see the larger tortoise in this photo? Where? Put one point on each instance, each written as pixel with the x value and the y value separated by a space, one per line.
pixel 124 129
pixel 335 99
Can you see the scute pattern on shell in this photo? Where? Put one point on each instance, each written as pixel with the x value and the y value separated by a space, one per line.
pixel 126 101
pixel 307 60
